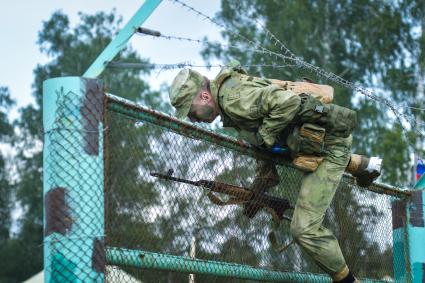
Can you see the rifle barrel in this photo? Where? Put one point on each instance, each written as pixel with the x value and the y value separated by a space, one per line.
pixel 167 177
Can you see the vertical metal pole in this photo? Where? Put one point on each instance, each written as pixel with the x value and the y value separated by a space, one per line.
pixel 416 232
pixel 192 255
pixel 73 180
pixel 416 229
pixel 120 41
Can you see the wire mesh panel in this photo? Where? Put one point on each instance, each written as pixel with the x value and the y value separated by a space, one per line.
pixel 159 230
pixel 73 180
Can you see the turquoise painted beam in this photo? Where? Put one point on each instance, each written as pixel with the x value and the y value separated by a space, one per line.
pixel 120 41
pixel 420 185
pixel 408 235
pixel 416 232
pixel 158 261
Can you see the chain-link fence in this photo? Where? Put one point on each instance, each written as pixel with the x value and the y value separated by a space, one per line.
pixel 73 181
pixel 168 218
pixel 114 213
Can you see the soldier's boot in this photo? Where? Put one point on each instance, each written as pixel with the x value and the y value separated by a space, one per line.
pixel 349 279
pixel 364 169
pixel 345 276
pixel 259 187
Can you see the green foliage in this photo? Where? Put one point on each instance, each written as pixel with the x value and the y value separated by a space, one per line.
pixel 6 186
pixel 71 50
pixel 6 131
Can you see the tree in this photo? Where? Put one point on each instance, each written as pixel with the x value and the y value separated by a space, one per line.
pixel 70 50
pixel 6 131
pixel 6 197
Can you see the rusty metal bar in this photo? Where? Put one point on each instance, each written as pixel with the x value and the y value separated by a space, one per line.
pixel 136 111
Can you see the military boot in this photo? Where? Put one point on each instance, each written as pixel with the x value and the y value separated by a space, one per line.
pixel 344 276
pixel 349 279
pixel 364 169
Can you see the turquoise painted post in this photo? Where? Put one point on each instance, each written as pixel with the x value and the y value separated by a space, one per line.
pixel 416 232
pixel 73 180
pixel 120 41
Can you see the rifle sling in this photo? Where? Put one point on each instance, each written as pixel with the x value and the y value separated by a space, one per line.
pixel 279 248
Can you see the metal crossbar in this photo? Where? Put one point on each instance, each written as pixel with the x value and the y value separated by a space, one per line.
pixel 189 149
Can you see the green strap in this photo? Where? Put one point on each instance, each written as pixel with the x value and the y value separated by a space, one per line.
pixel 280 248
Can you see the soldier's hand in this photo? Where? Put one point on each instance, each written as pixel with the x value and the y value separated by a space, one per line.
pixel 279 149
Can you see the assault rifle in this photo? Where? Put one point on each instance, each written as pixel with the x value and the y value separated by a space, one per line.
pixel 276 206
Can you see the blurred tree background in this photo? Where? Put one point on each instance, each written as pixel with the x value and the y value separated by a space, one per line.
pixel 71 50
pixel 379 45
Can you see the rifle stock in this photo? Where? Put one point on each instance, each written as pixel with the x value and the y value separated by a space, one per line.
pixel 278 205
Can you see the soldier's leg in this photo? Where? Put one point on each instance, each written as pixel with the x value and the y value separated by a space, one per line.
pixel 317 191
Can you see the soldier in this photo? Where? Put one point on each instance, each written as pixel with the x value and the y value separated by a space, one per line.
pixel 267 113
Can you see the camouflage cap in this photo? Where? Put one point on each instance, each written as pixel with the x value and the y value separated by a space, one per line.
pixel 185 86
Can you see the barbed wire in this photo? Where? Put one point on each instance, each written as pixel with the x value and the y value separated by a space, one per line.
pixel 296 63
pixel 299 62
pixel 221 45
pixel 185 64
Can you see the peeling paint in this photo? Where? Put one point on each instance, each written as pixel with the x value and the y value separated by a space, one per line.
pixel 58 219
pixel 92 115
pixel 398 209
pixel 98 255
pixel 416 209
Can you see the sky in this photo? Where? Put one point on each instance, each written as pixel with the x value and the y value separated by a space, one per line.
pixel 22 20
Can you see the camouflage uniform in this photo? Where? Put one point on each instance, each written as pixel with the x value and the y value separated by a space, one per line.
pixel 261 111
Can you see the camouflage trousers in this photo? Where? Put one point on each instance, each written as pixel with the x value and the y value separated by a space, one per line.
pixel 317 191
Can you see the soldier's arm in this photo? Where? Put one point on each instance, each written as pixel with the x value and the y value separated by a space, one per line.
pixel 280 108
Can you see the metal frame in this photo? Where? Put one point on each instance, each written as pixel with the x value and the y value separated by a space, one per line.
pixel 119 42
pixel 158 261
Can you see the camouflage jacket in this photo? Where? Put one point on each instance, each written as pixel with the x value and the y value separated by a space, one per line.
pixel 256 108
